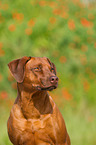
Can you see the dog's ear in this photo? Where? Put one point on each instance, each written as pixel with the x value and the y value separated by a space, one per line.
pixel 52 64
pixel 54 68
pixel 17 68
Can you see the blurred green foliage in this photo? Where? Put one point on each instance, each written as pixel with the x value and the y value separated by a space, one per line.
pixel 65 32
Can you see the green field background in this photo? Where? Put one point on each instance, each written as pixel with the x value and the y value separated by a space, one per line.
pixel 65 32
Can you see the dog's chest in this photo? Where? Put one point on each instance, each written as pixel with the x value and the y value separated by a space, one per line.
pixel 44 127
pixel 45 121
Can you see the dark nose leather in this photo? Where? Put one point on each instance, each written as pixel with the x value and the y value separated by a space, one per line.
pixel 53 79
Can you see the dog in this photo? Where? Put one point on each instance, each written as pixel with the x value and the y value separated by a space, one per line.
pixel 34 118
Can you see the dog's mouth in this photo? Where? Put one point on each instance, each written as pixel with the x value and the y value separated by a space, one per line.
pixel 50 88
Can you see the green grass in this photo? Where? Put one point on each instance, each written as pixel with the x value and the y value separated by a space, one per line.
pixel 4 107
pixel 80 126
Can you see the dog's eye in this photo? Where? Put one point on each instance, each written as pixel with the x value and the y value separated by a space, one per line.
pixel 52 69
pixel 37 69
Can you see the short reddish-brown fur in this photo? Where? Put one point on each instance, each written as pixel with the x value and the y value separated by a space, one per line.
pixel 34 118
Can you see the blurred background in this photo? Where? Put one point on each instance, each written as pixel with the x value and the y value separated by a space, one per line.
pixel 65 32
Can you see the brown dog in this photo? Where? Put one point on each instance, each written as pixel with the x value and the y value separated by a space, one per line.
pixel 35 118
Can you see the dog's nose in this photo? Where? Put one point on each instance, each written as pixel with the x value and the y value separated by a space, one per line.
pixel 53 79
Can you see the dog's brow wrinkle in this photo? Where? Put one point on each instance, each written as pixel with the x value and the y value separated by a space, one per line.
pixel 40 64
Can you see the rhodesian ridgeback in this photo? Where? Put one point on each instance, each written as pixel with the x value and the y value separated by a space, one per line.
pixel 34 118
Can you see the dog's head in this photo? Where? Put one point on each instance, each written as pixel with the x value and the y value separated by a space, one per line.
pixel 35 72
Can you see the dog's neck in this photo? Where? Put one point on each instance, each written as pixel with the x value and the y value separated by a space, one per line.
pixel 33 103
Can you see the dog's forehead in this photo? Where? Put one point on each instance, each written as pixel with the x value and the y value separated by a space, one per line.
pixel 38 61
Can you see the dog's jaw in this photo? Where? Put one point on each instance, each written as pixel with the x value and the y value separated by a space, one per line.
pixel 50 88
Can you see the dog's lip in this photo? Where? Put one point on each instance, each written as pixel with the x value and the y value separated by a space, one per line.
pixel 49 88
